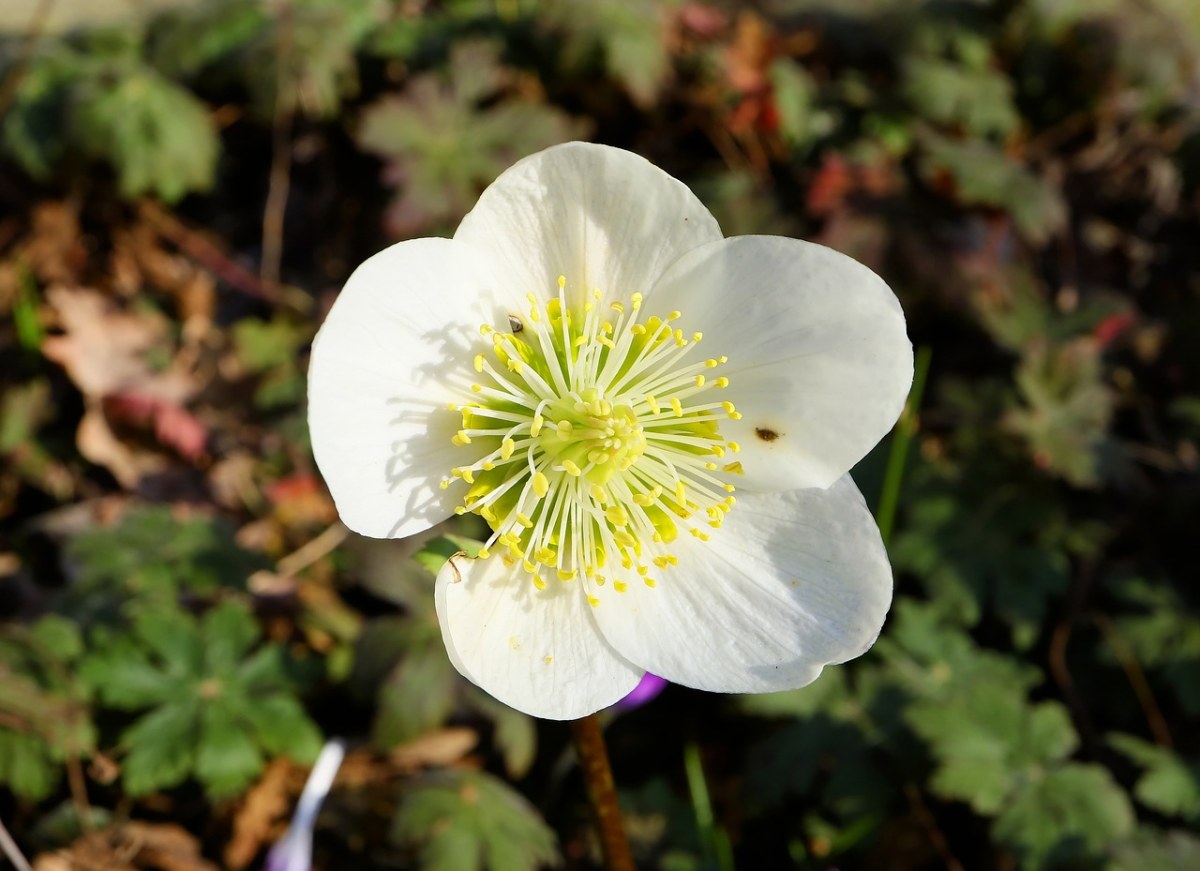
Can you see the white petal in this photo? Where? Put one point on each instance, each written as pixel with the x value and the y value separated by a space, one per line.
pixel 605 218
pixel 792 581
pixel 538 651
pixel 819 360
pixel 396 349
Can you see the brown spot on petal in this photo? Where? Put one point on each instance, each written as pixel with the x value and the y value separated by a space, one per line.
pixel 767 435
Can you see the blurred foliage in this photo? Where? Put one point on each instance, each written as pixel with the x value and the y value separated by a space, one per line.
pixel 182 619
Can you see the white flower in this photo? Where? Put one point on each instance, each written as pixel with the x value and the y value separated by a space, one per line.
pixel 590 366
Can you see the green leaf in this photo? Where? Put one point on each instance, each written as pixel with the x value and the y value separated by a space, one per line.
pixel 628 37
pixel 984 175
pixel 469 821
pixel 1074 811
pixel 1153 849
pixel 59 636
pixel 25 765
pixel 229 631
pixel 1169 785
pixel 158 136
pixel 283 728
pixel 161 747
pixel 124 679
pixel 227 757
pixel 172 636
pixel 416 696
pixel 515 733
pixel 420 133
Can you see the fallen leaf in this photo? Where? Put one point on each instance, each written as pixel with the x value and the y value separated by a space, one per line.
pixel 257 821
pixel 437 749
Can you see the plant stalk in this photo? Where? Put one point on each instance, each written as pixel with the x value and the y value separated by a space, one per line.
pixel 602 792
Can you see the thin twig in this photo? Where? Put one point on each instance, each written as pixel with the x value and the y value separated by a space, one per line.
pixel 208 254
pixel 602 792
pixel 281 157
pixel 925 817
pixel 1137 680
pixel 13 852
pixel 309 553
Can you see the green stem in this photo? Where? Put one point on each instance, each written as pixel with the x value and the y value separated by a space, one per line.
pixel 714 838
pixel 602 792
pixel 906 428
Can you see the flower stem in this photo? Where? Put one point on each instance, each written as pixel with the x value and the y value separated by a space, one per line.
pixel 602 792
pixel 906 428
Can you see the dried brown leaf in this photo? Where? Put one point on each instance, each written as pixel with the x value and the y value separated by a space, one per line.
pixel 258 819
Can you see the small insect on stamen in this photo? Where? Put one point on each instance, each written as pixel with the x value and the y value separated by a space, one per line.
pixel 514 324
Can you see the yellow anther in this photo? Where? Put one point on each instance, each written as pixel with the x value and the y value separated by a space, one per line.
pixel 562 282
pixel 718 451
pixel 676 406
pixel 564 427
pixel 460 510
pixel 506 448
pixel 479 362
pixel 722 382
pixel 636 299
pixel 541 484
pixel 638 329
pixel 734 446
pixel 712 467
pixel 729 488
pixel 468 476
pixel 524 520
pixel 662 562
pixel 593 601
pixel 598 493
pixel 617 515
pixel 735 468
pixel 680 341
pixel 515 365
pixel 697 336
pixel 539 422
pixel 487 466
pixel 653 403
pixel 711 363
pixel 722 359
pixel 606 342
pixel 617 307
pixel 650 582
pixel 579 342
pixel 566 575
pixel 571 469
pixel 485 330
pixel 703 536
pixel 529 567
pixel 541 585
pixel 699 380
pixel 476 388
pixel 675 315
pixel 643 570
pixel 680 492
pixel 620 586
pixel 444 484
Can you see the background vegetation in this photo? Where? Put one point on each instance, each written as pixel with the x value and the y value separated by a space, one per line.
pixel 182 619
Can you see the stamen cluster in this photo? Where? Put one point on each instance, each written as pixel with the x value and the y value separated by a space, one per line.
pixel 597 441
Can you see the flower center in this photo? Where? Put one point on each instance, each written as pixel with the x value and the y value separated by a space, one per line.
pixel 595 441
